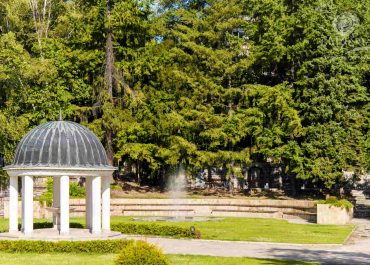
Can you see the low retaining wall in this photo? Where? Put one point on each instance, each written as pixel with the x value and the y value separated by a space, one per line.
pixel 286 209
pixel 39 209
pixel 216 207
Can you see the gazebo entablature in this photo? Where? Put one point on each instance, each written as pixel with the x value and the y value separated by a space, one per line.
pixel 53 172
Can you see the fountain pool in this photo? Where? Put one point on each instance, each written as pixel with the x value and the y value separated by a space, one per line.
pixel 177 218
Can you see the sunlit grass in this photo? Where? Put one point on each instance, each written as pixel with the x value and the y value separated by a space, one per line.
pixel 108 259
pixel 251 229
pixel 263 230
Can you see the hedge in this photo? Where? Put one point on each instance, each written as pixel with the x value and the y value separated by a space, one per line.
pixel 42 225
pixel 155 229
pixel 134 229
pixel 88 246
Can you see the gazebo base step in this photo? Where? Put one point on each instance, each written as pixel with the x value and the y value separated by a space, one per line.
pixel 51 234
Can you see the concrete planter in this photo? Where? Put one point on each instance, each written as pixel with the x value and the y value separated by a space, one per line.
pixel 333 215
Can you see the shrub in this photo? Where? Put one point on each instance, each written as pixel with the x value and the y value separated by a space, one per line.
pixel 76 191
pixel 155 229
pixel 332 200
pixel 47 196
pixel 141 253
pixel 89 246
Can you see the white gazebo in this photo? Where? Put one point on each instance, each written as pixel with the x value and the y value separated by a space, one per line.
pixel 61 149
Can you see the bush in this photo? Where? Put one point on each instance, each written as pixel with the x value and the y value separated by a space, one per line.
pixel 332 200
pixel 91 246
pixel 141 253
pixel 76 191
pixel 155 229
pixel 47 196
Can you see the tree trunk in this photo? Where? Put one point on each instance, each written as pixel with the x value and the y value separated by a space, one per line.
pixel 109 76
pixel 209 172
pixel 231 178
pixel 163 179
pixel 293 184
pixel 138 178
pixel 108 139
pixel 109 69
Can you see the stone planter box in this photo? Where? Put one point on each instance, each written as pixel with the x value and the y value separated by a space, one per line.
pixel 329 214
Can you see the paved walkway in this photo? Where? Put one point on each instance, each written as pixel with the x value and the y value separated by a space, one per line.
pixel 325 254
pixel 356 251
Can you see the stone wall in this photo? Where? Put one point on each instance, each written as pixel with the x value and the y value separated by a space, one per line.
pixel 286 209
pixel 216 207
pixel 39 209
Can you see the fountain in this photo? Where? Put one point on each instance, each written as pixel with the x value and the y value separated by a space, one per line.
pixel 176 186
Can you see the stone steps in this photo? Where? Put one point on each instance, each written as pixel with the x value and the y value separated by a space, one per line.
pixel 362 204
pixel 361 214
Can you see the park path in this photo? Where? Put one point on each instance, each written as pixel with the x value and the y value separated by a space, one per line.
pixel 355 251
pixel 325 254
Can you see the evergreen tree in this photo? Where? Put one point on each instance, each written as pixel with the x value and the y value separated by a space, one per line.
pixel 200 83
pixel 312 45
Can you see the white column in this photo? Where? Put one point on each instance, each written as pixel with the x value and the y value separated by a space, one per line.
pixel 96 205
pixel 106 204
pixel 88 196
pixel 56 200
pixel 13 204
pixel 64 205
pixel 27 204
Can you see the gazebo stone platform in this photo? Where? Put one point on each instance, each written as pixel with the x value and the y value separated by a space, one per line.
pixel 60 149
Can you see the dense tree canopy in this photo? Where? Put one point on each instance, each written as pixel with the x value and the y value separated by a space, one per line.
pixel 202 83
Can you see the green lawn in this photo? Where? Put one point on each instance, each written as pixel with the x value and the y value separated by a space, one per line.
pixel 94 259
pixel 253 229
pixel 263 230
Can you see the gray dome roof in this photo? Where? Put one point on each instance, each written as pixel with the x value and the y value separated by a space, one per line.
pixel 60 144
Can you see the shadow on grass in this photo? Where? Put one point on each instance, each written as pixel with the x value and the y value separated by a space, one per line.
pixel 283 262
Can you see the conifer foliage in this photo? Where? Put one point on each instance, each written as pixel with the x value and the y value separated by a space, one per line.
pixel 200 83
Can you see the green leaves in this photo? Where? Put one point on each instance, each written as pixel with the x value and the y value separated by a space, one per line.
pixel 206 84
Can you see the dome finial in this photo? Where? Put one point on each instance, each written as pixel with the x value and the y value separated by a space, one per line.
pixel 60 115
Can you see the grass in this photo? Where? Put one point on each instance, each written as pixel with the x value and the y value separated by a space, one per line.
pixel 263 230
pixel 252 229
pixel 55 258
pixel 94 259
pixel 209 260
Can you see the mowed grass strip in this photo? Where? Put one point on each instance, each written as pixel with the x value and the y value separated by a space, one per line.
pixel 250 229
pixel 210 260
pixel 263 230
pixel 108 259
